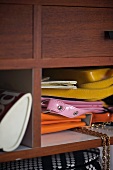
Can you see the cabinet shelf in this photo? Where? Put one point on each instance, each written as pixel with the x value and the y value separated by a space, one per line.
pixel 13 64
pixel 68 137
pixel 76 62
pixel 56 143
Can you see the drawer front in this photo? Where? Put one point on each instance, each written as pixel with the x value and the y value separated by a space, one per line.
pixel 15 31
pixel 76 32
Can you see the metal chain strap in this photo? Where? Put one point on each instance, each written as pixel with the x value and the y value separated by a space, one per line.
pixel 105 144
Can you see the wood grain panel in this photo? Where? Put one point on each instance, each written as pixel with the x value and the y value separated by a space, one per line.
pixel 15 31
pixel 76 32
pixel 36 90
pixel 96 3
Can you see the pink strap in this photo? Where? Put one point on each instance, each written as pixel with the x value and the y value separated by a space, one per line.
pixel 78 103
pixel 59 107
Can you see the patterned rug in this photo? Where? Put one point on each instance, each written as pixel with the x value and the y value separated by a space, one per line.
pixel 79 160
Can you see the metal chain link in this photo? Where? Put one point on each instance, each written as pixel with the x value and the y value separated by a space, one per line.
pixel 105 144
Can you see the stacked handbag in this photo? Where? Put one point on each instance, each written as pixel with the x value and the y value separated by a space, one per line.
pixel 82 92
pixel 77 99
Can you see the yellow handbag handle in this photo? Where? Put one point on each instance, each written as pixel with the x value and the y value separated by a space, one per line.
pixel 98 84
pixel 80 93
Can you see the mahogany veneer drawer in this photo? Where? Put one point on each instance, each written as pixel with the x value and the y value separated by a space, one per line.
pixel 15 31
pixel 76 31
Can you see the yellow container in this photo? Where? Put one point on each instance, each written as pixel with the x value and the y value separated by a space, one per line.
pixel 91 75
pixel 80 75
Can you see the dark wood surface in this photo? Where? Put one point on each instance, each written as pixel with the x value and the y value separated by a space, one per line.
pixel 16 31
pixel 91 3
pixel 61 34
pixel 76 32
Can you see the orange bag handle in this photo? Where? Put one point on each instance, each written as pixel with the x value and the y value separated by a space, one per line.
pixel 102 117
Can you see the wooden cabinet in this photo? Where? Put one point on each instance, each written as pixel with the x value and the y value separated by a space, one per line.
pixel 37 35
pixel 76 32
